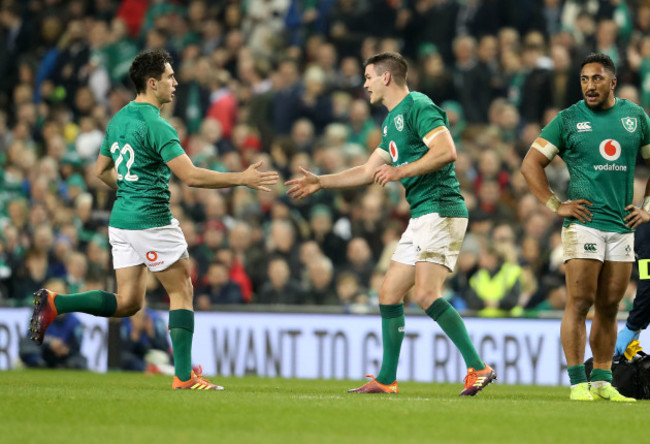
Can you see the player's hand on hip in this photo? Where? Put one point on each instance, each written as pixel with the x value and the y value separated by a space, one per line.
pixel 303 186
pixel 385 174
pixel 636 216
pixel 259 180
pixel 577 209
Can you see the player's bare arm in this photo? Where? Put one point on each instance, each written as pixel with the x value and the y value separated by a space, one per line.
pixel 442 151
pixel 639 215
pixel 194 176
pixel 309 183
pixel 532 168
pixel 105 170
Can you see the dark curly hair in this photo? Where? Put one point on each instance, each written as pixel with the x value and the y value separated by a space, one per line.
pixel 149 63
pixel 603 59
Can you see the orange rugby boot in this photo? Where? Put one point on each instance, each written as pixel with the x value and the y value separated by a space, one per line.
pixel 44 313
pixel 375 386
pixel 476 380
pixel 196 382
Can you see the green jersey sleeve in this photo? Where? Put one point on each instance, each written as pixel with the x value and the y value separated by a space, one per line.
pixel 164 139
pixel 553 132
pixel 646 129
pixel 425 117
pixel 105 148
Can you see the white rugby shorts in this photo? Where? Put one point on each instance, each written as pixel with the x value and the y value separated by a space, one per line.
pixel 580 242
pixel 431 238
pixel 157 248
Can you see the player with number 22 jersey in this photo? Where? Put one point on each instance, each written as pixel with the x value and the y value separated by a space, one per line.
pixel 141 142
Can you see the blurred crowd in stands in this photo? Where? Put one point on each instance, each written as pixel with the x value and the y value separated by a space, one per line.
pixel 282 81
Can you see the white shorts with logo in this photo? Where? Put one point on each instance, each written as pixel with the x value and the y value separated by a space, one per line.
pixel 431 238
pixel 580 242
pixel 157 248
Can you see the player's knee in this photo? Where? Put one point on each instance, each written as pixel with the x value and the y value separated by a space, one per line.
pixel 582 305
pixel 389 296
pixel 424 297
pixel 128 305
pixel 133 307
pixel 184 292
pixel 608 308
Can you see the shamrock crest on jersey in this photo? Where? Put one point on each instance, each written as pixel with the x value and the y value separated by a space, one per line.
pixel 629 123
pixel 399 122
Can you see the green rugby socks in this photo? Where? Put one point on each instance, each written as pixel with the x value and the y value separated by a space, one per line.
pixel 181 330
pixel 392 334
pixel 452 324
pixel 600 377
pixel 95 302
pixel 577 374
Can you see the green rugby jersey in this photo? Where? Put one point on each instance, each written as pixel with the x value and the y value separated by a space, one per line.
pixel 403 130
pixel 140 143
pixel 600 150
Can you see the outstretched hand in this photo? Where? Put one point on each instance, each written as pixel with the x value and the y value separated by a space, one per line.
pixel 385 174
pixel 577 209
pixel 635 217
pixel 258 180
pixel 303 186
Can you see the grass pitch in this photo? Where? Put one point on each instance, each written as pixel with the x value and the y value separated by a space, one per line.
pixel 82 407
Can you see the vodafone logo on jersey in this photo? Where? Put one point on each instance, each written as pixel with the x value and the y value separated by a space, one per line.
pixel 610 149
pixel 392 149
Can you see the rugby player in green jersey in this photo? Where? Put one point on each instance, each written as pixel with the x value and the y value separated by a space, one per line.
pixel 417 150
pixel 599 139
pixel 139 150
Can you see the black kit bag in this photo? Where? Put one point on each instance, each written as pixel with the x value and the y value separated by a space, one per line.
pixel 631 378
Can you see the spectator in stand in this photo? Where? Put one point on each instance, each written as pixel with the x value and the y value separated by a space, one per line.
pixel 217 288
pixel 315 104
pixel 490 201
pixel 321 289
pixel 351 294
pixel 30 276
pixel 236 272
pixel 536 90
pixel 193 93
pixel 359 260
pixel 371 222
pixel 223 103
pixel 282 242
pixel 436 81
pixel 469 79
pixel 144 343
pixel 76 266
pixel 321 224
pixel 280 287
pixel 18 39
pixel 495 287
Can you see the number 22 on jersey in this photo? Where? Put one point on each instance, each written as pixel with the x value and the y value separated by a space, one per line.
pixel 126 149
